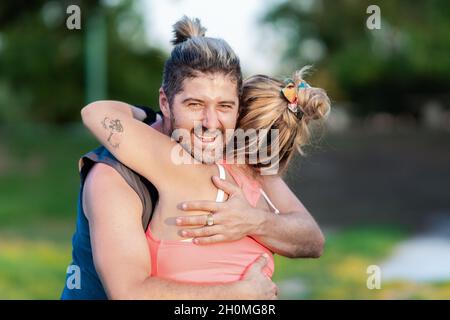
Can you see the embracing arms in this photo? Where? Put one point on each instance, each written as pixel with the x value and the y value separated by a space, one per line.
pixel 292 233
pixel 121 253
pixel 119 245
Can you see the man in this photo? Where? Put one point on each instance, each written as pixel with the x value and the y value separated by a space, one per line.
pixel 115 204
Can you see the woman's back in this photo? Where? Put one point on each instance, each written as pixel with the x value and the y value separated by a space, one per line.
pixel 186 261
pixel 202 188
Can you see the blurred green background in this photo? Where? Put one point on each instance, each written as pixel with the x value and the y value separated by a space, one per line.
pixel 376 178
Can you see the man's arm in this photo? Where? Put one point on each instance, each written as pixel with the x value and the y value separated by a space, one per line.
pixel 292 233
pixel 121 253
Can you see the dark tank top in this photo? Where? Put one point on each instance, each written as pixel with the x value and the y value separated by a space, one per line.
pixel 82 281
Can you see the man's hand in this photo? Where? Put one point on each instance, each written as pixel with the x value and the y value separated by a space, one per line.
pixel 255 284
pixel 293 233
pixel 233 219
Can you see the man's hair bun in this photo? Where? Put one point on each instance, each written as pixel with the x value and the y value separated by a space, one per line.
pixel 187 28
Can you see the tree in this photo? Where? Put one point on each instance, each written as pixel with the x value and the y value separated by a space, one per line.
pixel 392 69
pixel 42 63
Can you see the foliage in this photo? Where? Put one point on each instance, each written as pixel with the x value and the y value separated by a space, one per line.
pixel 42 63
pixel 393 69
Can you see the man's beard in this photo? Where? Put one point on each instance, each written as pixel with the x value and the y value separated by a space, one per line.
pixel 209 154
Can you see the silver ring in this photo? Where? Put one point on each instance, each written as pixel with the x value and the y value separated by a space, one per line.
pixel 210 220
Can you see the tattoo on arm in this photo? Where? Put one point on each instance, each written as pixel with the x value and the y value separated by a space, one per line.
pixel 115 129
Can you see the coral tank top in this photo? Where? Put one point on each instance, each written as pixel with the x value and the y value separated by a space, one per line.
pixel 183 260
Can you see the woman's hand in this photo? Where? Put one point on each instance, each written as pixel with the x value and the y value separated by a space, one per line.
pixel 138 113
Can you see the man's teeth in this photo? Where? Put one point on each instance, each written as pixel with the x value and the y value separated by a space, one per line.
pixel 206 139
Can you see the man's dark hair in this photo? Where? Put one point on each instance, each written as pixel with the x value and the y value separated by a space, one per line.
pixel 194 54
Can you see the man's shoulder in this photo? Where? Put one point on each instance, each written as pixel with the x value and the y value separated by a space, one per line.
pixel 102 170
pixel 119 186
pixel 105 186
pixel 107 177
pixel 104 182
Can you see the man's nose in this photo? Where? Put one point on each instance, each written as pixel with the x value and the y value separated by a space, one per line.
pixel 211 119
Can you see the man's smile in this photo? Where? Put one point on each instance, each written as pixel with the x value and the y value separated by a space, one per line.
pixel 206 138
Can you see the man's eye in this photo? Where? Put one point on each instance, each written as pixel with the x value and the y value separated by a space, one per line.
pixel 195 105
pixel 226 106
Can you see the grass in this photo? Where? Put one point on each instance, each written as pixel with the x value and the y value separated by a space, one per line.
pixel 341 272
pixel 33 260
pixel 32 268
pixel 39 185
pixel 38 190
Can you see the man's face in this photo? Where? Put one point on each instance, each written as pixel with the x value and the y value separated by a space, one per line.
pixel 206 107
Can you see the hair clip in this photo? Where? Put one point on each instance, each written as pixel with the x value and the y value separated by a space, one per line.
pixel 293 107
pixel 303 85
pixel 290 94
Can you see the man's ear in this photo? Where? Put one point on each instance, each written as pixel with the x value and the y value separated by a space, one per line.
pixel 164 103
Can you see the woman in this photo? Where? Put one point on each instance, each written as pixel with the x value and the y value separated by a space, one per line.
pixel 267 104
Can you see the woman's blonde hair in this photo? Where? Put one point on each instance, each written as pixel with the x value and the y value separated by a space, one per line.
pixel 263 106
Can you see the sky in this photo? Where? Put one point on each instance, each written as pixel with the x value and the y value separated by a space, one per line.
pixel 236 21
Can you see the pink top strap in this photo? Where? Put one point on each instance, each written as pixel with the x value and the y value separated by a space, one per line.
pixel 250 187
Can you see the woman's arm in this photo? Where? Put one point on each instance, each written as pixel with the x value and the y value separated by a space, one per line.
pixel 135 144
